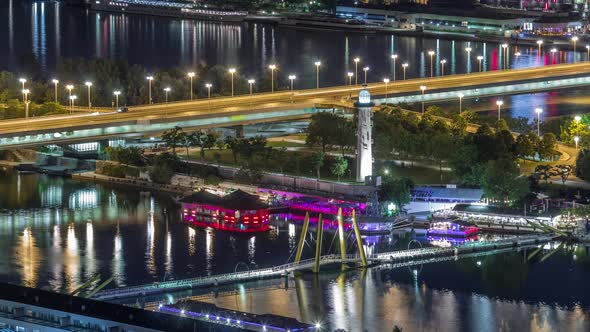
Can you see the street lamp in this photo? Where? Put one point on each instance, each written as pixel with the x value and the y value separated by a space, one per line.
pixel 117 93
pixel 468 50
pixel 480 58
pixel 588 52
pixel 517 54
pixel 577 118
pixel 538 111
pixel 356 70
pixel 292 78
pixel 350 75
pixel 386 81
pixel 539 43
pixel 394 58
pixel 366 69
pixel 574 40
pixel 166 90
pixel 423 88
pixel 232 71
pixel 576 140
pixel 55 83
pixel 23 81
pixel 190 76
pixel 70 87
pixel 150 79
pixel 431 54
pixel 72 102
pixel 208 86
pixel 442 67
pixel 88 85
pixel 251 83
pixel 553 51
pixel 404 66
pixel 272 77
pixel 26 101
pixel 499 103
pixel 505 55
pixel 460 95
pixel 317 73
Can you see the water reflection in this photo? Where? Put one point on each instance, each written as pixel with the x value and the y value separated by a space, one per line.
pixel 30 258
pixel 72 259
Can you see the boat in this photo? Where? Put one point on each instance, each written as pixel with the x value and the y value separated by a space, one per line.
pixel 237 212
pixel 452 228
pixel 325 22
pixel 169 9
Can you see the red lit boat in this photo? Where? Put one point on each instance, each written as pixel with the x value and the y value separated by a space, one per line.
pixel 236 212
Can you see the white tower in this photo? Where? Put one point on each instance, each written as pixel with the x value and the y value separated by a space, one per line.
pixel 364 141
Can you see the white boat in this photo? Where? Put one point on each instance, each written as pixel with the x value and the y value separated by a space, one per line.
pixel 169 9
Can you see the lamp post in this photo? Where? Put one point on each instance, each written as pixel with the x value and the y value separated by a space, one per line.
pixel 553 51
pixel 460 95
pixel 442 67
pixel 394 58
pixel 539 43
pixel 190 76
pixel 117 93
pixel 404 66
pixel 22 81
pixel 574 40
pixel 317 73
pixel 423 88
pixel 538 111
pixel 72 102
pixel 356 70
pixel 166 90
pixel 232 71
pixel 366 69
pixel 350 75
pixel 70 87
pixel 468 50
pixel 386 81
pixel 150 79
pixel 208 86
pixel 55 83
pixel 26 101
pixel 251 83
pixel 588 52
pixel 499 103
pixel 272 77
pixel 88 85
pixel 431 54
pixel 292 78
pixel 505 55
pixel 517 54
pixel 479 58
pixel 576 140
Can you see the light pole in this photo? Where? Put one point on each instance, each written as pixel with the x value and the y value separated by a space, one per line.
pixel 292 78
pixel 386 81
pixel 150 79
pixel 553 51
pixel 460 95
pixel 404 66
pixel 166 90
pixel 505 55
pixel 431 53
pixel 423 88
pixel 574 40
pixel 479 58
pixel 538 111
pixel 468 50
pixel 317 73
pixel 232 71
pixel 272 77
pixel 23 81
pixel 576 140
pixel 88 85
pixel 394 58
pixel 72 102
pixel 499 103
pixel 356 70
pixel 26 101
pixel 55 83
pixel 442 67
pixel 539 43
pixel 117 93
pixel 208 86
pixel 350 75
pixel 70 87
pixel 366 69
pixel 588 52
pixel 251 83
pixel 190 76
pixel 517 54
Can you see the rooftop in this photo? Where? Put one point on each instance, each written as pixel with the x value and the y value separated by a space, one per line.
pixel 237 200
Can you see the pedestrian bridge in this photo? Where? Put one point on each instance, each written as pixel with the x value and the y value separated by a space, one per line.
pixel 395 258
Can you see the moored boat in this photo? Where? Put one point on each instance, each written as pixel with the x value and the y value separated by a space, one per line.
pixel 452 228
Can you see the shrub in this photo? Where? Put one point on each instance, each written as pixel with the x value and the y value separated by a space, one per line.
pixel 212 180
pixel 161 174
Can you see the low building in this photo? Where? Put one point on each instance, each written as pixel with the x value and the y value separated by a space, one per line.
pixel 430 198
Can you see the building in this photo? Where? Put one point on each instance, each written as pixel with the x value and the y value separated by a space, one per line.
pixel 364 152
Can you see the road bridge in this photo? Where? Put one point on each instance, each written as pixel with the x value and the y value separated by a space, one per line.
pixel 397 258
pixel 279 106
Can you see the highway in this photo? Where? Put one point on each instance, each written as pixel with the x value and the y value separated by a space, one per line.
pixel 266 102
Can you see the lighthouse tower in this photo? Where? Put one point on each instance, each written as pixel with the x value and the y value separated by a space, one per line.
pixel 364 140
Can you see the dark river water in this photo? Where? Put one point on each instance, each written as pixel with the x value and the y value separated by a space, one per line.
pixel 56 233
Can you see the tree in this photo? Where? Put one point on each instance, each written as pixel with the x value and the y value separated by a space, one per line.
pixel 232 143
pixel 398 191
pixel 174 138
pixel 583 165
pixel 546 146
pixel 543 172
pixel 563 171
pixel 524 146
pixel 208 142
pixel 191 139
pixel 339 166
pixel 502 182
pixel 317 160
pixel 326 129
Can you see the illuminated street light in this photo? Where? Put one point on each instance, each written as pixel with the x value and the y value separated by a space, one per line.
pixel 404 66
pixel 431 54
pixel 366 69
pixel 423 89
pixel 232 71
pixel 70 87
pixel 539 43
pixel 26 101
pixel 577 118
pixel 317 73
pixel 576 140
pixel 208 86
pixel 394 58
pixel 460 95
pixel 89 85
pixel 442 67
pixel 150 79
pixel 479 58
pixel 386 81
pixel 72 103
pixel 272 77
pixel 538 111
pixel 468 50
pixel 117 93
pixel 574 40
pixel 23 81
pixel 356 70
pixel 517 54
pixel 292 78
pixel 350 75
pixel 505 55
pixel 191 75
pixel 55 83
pixel 251 83
pixel 499 103
pixel 166 90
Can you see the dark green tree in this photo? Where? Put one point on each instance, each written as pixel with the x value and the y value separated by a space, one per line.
pixel 502 182
pixel 174 138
